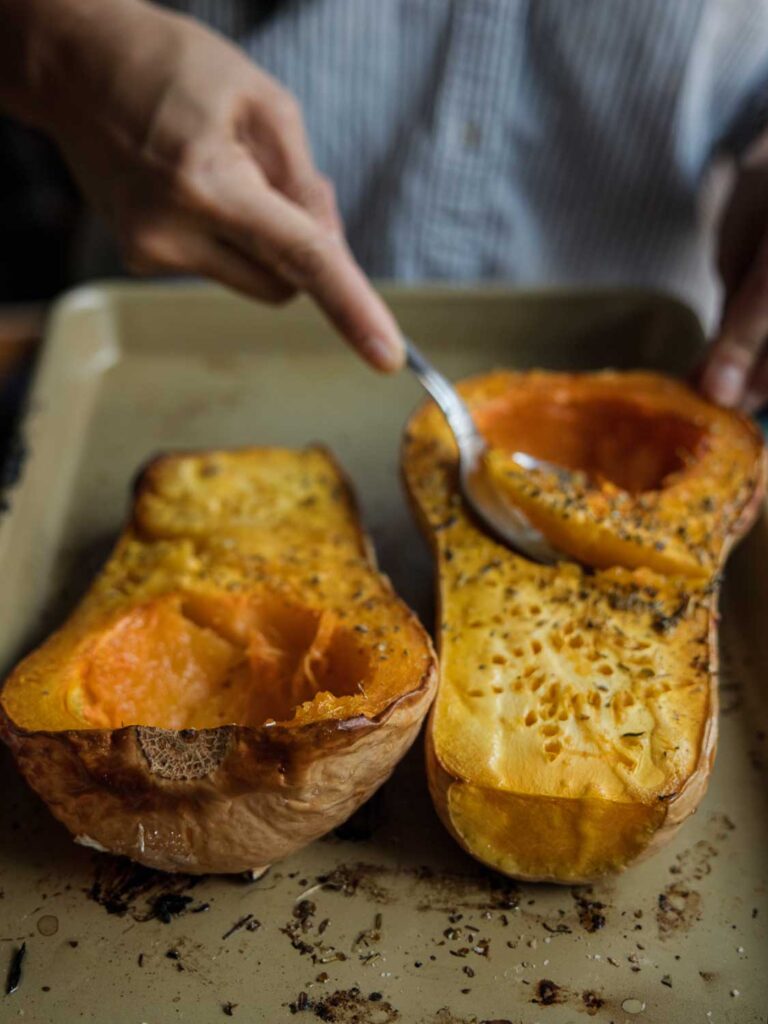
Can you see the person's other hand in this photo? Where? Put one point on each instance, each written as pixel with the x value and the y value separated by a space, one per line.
pixel 735 373
pixel 200 162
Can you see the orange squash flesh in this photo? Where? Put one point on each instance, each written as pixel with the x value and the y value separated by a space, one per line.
pixel 237 679
pixel 176 663
pixel 660 474
pixel 575 722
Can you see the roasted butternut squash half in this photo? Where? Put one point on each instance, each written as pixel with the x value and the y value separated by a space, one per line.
pixel 576 717
pixel 238 679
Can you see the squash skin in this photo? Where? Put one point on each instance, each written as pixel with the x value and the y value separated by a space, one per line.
pixel 233 797
pixel 504 821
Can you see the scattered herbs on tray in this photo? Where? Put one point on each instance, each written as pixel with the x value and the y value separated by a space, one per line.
pixel 249 922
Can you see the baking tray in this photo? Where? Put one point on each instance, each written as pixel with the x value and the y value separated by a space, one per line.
pixel 385 920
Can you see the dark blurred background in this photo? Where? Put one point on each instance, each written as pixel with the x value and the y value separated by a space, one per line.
pixel 39 223
pixel 39 209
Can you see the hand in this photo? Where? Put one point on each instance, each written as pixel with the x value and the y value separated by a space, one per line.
pixel 735 373
pixel 198 159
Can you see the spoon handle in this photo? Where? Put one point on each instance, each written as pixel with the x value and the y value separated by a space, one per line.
pixel 447 397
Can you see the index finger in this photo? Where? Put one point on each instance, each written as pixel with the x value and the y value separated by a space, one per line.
pixel 287 240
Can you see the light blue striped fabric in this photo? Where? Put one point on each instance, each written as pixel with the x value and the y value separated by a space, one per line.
pixel 529 141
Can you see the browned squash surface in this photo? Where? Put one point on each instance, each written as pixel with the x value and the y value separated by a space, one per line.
pixel 237 680
pixel 576 718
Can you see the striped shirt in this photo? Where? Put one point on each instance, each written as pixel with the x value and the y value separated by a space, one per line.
pixel 525 141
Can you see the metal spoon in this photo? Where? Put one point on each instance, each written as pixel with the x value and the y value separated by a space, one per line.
pixel 505 521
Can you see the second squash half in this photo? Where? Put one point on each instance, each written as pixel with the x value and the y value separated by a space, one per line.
pixel 576 718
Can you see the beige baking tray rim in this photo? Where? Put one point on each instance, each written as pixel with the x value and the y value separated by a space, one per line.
pixel 416 931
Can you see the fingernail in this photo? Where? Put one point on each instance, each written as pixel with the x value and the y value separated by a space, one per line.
pixel 724 383
pixel 385 355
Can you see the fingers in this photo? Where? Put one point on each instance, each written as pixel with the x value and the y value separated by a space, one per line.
pixel 272 129
pixel 731 375
pixel 284 238
pixel 726 371
pixel 188 250
pixel 287 251
pixel 317 196
pixel 257 216
pixel 292 231
pixel 298 178
pixel 219 261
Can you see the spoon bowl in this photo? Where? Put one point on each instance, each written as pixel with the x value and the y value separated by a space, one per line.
pixel 506 522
